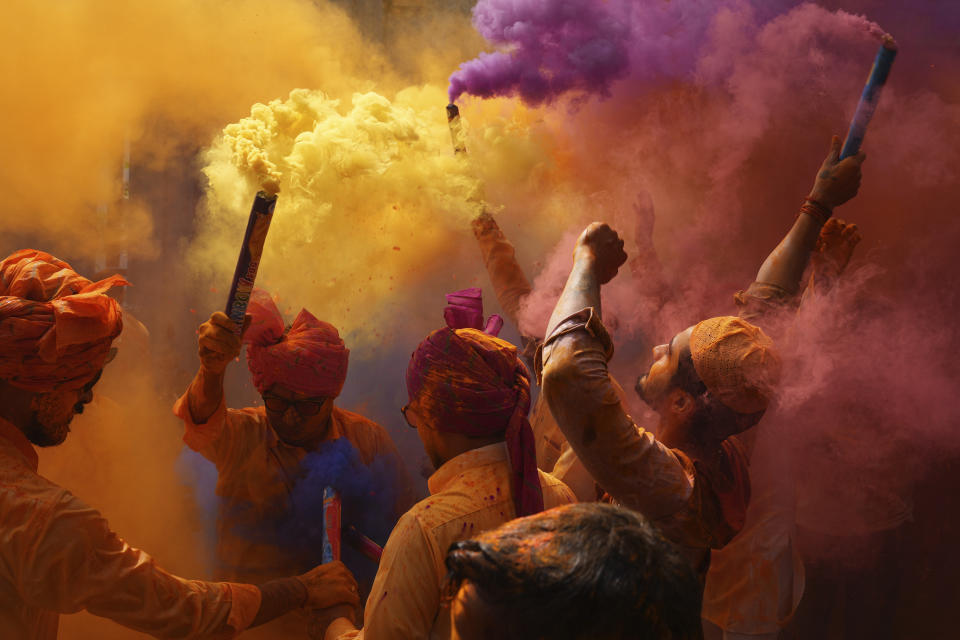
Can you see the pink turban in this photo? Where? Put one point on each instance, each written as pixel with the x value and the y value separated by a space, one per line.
pixel 475 384
pixel 464 310
pixel 56 326
pixel 308 358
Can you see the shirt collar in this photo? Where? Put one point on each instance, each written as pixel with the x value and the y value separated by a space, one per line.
pixel 442 477
pixel 14 436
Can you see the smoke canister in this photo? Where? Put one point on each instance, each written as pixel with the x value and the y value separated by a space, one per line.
pixel 331 525
pixel 456 130
pixel 245 274
pixel 870 96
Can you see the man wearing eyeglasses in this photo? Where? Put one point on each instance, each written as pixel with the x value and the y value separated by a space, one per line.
pixel 268 458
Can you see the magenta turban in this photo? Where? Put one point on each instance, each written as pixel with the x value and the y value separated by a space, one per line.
pixel 475 384
pixel 308 358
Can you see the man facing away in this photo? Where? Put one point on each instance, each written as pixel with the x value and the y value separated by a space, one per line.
pixel 587 571
pixel 57 554
pixel 469 396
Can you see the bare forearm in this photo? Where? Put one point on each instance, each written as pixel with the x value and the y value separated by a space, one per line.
pixel 581 291
pixel 279 597
pixel 785 265
pixel 204 395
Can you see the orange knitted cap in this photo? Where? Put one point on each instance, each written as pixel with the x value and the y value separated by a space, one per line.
pixel 736 361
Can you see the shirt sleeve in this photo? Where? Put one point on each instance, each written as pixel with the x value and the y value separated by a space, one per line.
pixel 77 562
pixel 766 305
pixel 510 284
pixel 626 460
pixel 228 436
pixel 405 597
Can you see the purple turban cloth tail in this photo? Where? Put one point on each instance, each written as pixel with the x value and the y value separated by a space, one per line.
pixel 464 310
pixel 475 384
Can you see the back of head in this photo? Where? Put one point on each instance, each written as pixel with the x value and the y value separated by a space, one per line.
pixel 738 365
pixel 578 572
pixel 474 384
pixel 56 326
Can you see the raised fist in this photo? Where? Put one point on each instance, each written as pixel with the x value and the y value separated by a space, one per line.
pixel 601 244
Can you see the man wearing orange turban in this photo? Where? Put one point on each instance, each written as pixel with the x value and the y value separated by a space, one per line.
pixel 271 459
pixel 58 555
pixel 469 399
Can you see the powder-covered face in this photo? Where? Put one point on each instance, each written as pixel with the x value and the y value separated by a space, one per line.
pixel 654 385
pixel 291 415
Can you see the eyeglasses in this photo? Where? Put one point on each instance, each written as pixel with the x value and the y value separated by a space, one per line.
pixel 305 408
pixel 403 410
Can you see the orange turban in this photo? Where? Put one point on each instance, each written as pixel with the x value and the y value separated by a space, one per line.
pixel 55 325
pixel 736 361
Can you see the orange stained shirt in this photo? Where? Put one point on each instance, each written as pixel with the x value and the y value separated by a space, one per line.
pixel 468 495
pixel 695 505
pixel 58 555
pixel 257 473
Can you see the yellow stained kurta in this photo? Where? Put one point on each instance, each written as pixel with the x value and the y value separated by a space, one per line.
pixel 58 555
pixel 469 494
pixel 259 471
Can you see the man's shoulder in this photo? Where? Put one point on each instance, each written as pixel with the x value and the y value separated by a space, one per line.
pixel 362 431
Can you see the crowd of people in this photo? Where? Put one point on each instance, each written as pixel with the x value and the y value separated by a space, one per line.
pixel 558 518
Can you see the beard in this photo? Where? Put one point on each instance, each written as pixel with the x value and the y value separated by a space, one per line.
pixel 643 392
pixel 50 422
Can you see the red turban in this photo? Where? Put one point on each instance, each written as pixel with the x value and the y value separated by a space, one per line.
pixel 55 325
pixel 475 384
pixel 308 358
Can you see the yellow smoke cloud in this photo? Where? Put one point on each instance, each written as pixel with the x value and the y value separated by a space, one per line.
pixel 374 207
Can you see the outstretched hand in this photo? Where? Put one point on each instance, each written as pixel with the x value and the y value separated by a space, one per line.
pixel 604 248
pixel 329 585
pixel 835 246
pixel 837 180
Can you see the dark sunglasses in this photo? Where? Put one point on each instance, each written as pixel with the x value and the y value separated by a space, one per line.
pixel 305 408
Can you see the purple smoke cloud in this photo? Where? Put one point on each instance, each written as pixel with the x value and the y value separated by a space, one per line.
pixel 550 48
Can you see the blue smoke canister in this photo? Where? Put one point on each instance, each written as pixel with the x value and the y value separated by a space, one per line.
pixel 869 97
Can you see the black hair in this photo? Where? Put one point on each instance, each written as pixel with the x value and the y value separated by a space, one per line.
pixel 583 571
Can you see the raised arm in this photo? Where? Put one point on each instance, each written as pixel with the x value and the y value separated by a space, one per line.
pixel 625 460
pixel 510 284
pixel 836 183
pixel 217 347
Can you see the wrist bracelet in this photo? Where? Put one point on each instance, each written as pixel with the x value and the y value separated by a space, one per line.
pixel 816 210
